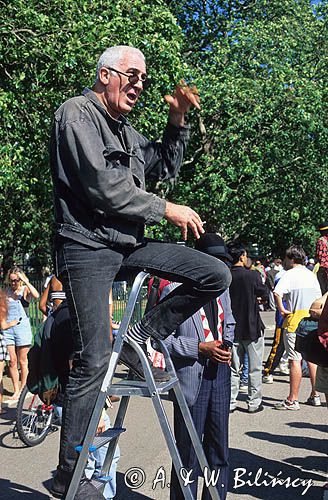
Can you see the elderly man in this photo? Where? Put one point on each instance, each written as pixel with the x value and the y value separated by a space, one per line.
pixel 99 165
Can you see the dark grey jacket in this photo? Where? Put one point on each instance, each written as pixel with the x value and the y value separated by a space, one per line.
pixel 99 166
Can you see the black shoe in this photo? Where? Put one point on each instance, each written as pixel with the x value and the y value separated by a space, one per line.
pixel 130 358
pixel 85 491
pixel 60 483
pixel 256 410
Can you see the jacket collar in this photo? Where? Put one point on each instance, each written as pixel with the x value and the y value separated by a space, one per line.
pixel 116 124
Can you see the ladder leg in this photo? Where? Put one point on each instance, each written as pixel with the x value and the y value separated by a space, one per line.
pixel 170 441
pixel 163 420
pixel 83 455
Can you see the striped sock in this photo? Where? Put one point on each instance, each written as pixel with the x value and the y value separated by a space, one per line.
pixel 138 334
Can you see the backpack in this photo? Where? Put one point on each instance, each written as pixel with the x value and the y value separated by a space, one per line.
pixel 308 343
pixel 50 357
pixel 42 376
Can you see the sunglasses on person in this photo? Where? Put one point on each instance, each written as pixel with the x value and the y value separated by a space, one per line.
pixel 133 77
pixel 15 281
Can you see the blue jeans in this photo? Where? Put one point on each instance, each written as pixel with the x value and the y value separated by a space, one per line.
pixel 87 275
pixel 95 462
pixel 244 370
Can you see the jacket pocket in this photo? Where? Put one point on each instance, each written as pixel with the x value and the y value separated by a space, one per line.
pixel 117 157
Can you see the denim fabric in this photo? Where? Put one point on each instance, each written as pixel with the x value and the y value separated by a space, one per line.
pixel 95 462
pixel 21 334
pixel 254 349
pixel 87 275
pixel 99 167
pixel 244 370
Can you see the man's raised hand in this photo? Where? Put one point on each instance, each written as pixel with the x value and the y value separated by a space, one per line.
pixel 181 101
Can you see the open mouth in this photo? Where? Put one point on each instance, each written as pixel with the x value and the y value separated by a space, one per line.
pixel 132 96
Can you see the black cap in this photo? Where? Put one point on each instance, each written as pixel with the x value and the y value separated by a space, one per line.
pixel 213 244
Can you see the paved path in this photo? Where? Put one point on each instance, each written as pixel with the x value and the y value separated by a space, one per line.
pixel 290 445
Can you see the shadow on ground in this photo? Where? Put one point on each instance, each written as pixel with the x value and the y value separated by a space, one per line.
pixel 15 491
pixel 125 493
pixel 300 442
pixel 243 485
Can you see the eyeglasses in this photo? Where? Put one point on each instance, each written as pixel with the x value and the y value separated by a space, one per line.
pixel 14 281
pixel 134 77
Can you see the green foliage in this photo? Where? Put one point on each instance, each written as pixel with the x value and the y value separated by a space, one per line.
pixel 261 169
pixel 49 51
pixel 257 161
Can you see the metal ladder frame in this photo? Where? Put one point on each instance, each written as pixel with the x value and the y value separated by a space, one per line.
pixel 129 388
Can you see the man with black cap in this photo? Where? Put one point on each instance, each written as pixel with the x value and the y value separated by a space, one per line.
pixel 245 289
pixel 200 350
pixel 322 257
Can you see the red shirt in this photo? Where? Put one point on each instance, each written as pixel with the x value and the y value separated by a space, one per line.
pixel 322 251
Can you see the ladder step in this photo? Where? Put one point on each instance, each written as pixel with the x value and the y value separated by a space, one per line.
pixel 140 388
pixel 103 439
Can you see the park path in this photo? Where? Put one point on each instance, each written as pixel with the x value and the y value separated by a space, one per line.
pixel 288 444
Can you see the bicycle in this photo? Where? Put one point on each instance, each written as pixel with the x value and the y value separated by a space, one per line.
pixel 34 419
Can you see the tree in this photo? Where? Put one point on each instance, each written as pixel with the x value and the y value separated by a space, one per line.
pixel 258 170
pixel 49 51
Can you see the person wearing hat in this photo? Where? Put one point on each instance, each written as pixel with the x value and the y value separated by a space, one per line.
pixel 322 257
pixel 245 290
pixel 202 363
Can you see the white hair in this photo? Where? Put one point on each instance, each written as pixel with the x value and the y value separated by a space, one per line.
pixel 114 55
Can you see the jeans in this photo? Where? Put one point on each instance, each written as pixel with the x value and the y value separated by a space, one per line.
pixel 87 275
pixel 254 349
pixel 244 370
pixel 95 462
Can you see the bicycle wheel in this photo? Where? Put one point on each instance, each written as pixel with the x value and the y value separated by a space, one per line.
pixel 33 418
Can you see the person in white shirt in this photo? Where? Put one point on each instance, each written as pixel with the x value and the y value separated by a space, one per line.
pixel 298 287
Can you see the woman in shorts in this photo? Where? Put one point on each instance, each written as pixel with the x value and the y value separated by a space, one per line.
pixel 4 356
pixel 18 338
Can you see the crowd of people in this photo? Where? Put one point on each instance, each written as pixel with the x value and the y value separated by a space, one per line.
pixel 210 314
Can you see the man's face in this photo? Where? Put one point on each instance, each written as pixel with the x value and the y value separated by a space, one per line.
pixel 120 95
pixel 243 259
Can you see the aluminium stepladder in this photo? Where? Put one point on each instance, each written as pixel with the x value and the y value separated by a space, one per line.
pixel 126 389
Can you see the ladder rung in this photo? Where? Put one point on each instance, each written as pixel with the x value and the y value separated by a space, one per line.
pixel 102 439
pixel 140 388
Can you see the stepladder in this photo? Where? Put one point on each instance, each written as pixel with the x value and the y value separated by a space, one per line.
pixel 142 388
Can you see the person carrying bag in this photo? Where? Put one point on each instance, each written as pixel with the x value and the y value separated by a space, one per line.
pixel 312 333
